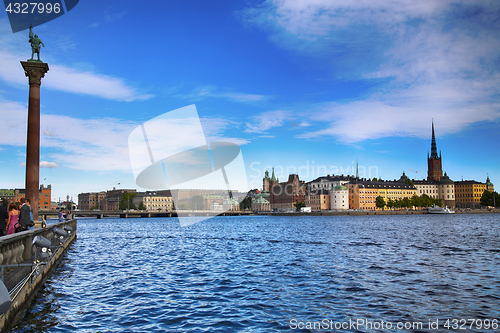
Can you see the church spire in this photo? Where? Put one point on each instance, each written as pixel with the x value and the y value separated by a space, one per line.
pixel 357 169
pixel 433 144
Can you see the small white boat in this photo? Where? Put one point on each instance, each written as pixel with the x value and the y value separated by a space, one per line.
pixel 440 210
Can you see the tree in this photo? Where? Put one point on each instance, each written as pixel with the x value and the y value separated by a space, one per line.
pixel 68 206
pixel 197 202
pixel 426 201
pixel 246 203
pixel 409 182
pixel 406 203
pixel 490 199
pixel 141 206
pixel 390 203
pixel 299 204
pixel 397 203
pixel 5 202
pixel 374 179
pixel 184 206
pixel 415 201
pixel 380 202
pixel 126 201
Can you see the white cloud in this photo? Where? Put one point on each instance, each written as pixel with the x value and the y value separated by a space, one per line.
pixel 50 165
pixel 438 59
pixel 114 17
pixel 71 80
pixel 88 144
pixel 214 129
pixel 214 92
pixel 61 77
pixel 267 120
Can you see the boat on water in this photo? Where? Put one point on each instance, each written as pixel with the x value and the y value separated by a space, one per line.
pixel 440 210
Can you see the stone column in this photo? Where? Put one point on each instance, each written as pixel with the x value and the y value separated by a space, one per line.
pixel 34 70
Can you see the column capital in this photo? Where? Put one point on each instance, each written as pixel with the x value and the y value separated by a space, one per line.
pixel 35 71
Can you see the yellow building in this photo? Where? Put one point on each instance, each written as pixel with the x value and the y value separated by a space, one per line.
pixel 468 193
pixel 318 200
pixel 153 202
pixel 363 194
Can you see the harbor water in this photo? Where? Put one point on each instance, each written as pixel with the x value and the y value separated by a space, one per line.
pixel 274 274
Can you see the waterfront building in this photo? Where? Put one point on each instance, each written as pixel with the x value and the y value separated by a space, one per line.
pixel 19 193
pixel 91 200
pixel 15 195
pixel 318 199
pixel 363 193
pixel 216 206
pixel 329 182
pixel 436 185
pixel 68 204
pixel 153 202
pixel 8 195
pixel 468 193
pixel 427 187
pixel 267 184
pixel 284 195
pixel 446 189
pixel 112 199
pixel 434 166
pixel 44 199
pixel 489 184
pixel 211 199
pixel 181 196
pixel 261 205
pixel 230 205
pixel 339 198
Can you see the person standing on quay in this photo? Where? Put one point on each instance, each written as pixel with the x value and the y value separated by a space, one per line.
pixel 13 219
pixel 24 215
pixel 31 224
pixel 4 217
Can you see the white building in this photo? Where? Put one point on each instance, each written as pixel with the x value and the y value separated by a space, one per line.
pixel 329 182
pixel 261 205
pixel 339 198
pixel 216 206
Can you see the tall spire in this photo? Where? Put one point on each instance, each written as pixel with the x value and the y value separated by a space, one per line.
pixel 273 178
pixel 433 144
pixel 357 170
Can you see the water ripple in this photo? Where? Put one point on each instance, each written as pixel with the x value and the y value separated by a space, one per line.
pixel 255 274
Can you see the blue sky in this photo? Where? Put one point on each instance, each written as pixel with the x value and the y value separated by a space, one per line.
pixel 303 86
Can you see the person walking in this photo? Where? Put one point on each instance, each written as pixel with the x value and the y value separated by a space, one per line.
pixel 13 219
pixel 4 217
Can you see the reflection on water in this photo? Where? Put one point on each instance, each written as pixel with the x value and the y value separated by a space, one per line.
pixel 256 274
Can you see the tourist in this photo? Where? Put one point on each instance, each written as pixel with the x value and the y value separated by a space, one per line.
pixel 13 221
pixel 24 215
pixel 31 225
pixel 4 217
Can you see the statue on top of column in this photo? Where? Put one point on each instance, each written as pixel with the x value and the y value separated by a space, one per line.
pixel 35 45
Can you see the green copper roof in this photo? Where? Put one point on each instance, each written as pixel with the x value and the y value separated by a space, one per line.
pixel 446 180
pixel 261 201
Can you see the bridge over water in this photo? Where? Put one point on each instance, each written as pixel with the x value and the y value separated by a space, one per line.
pixel 126 214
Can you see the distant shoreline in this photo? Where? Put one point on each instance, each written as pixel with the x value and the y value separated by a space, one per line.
pixel 358 213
